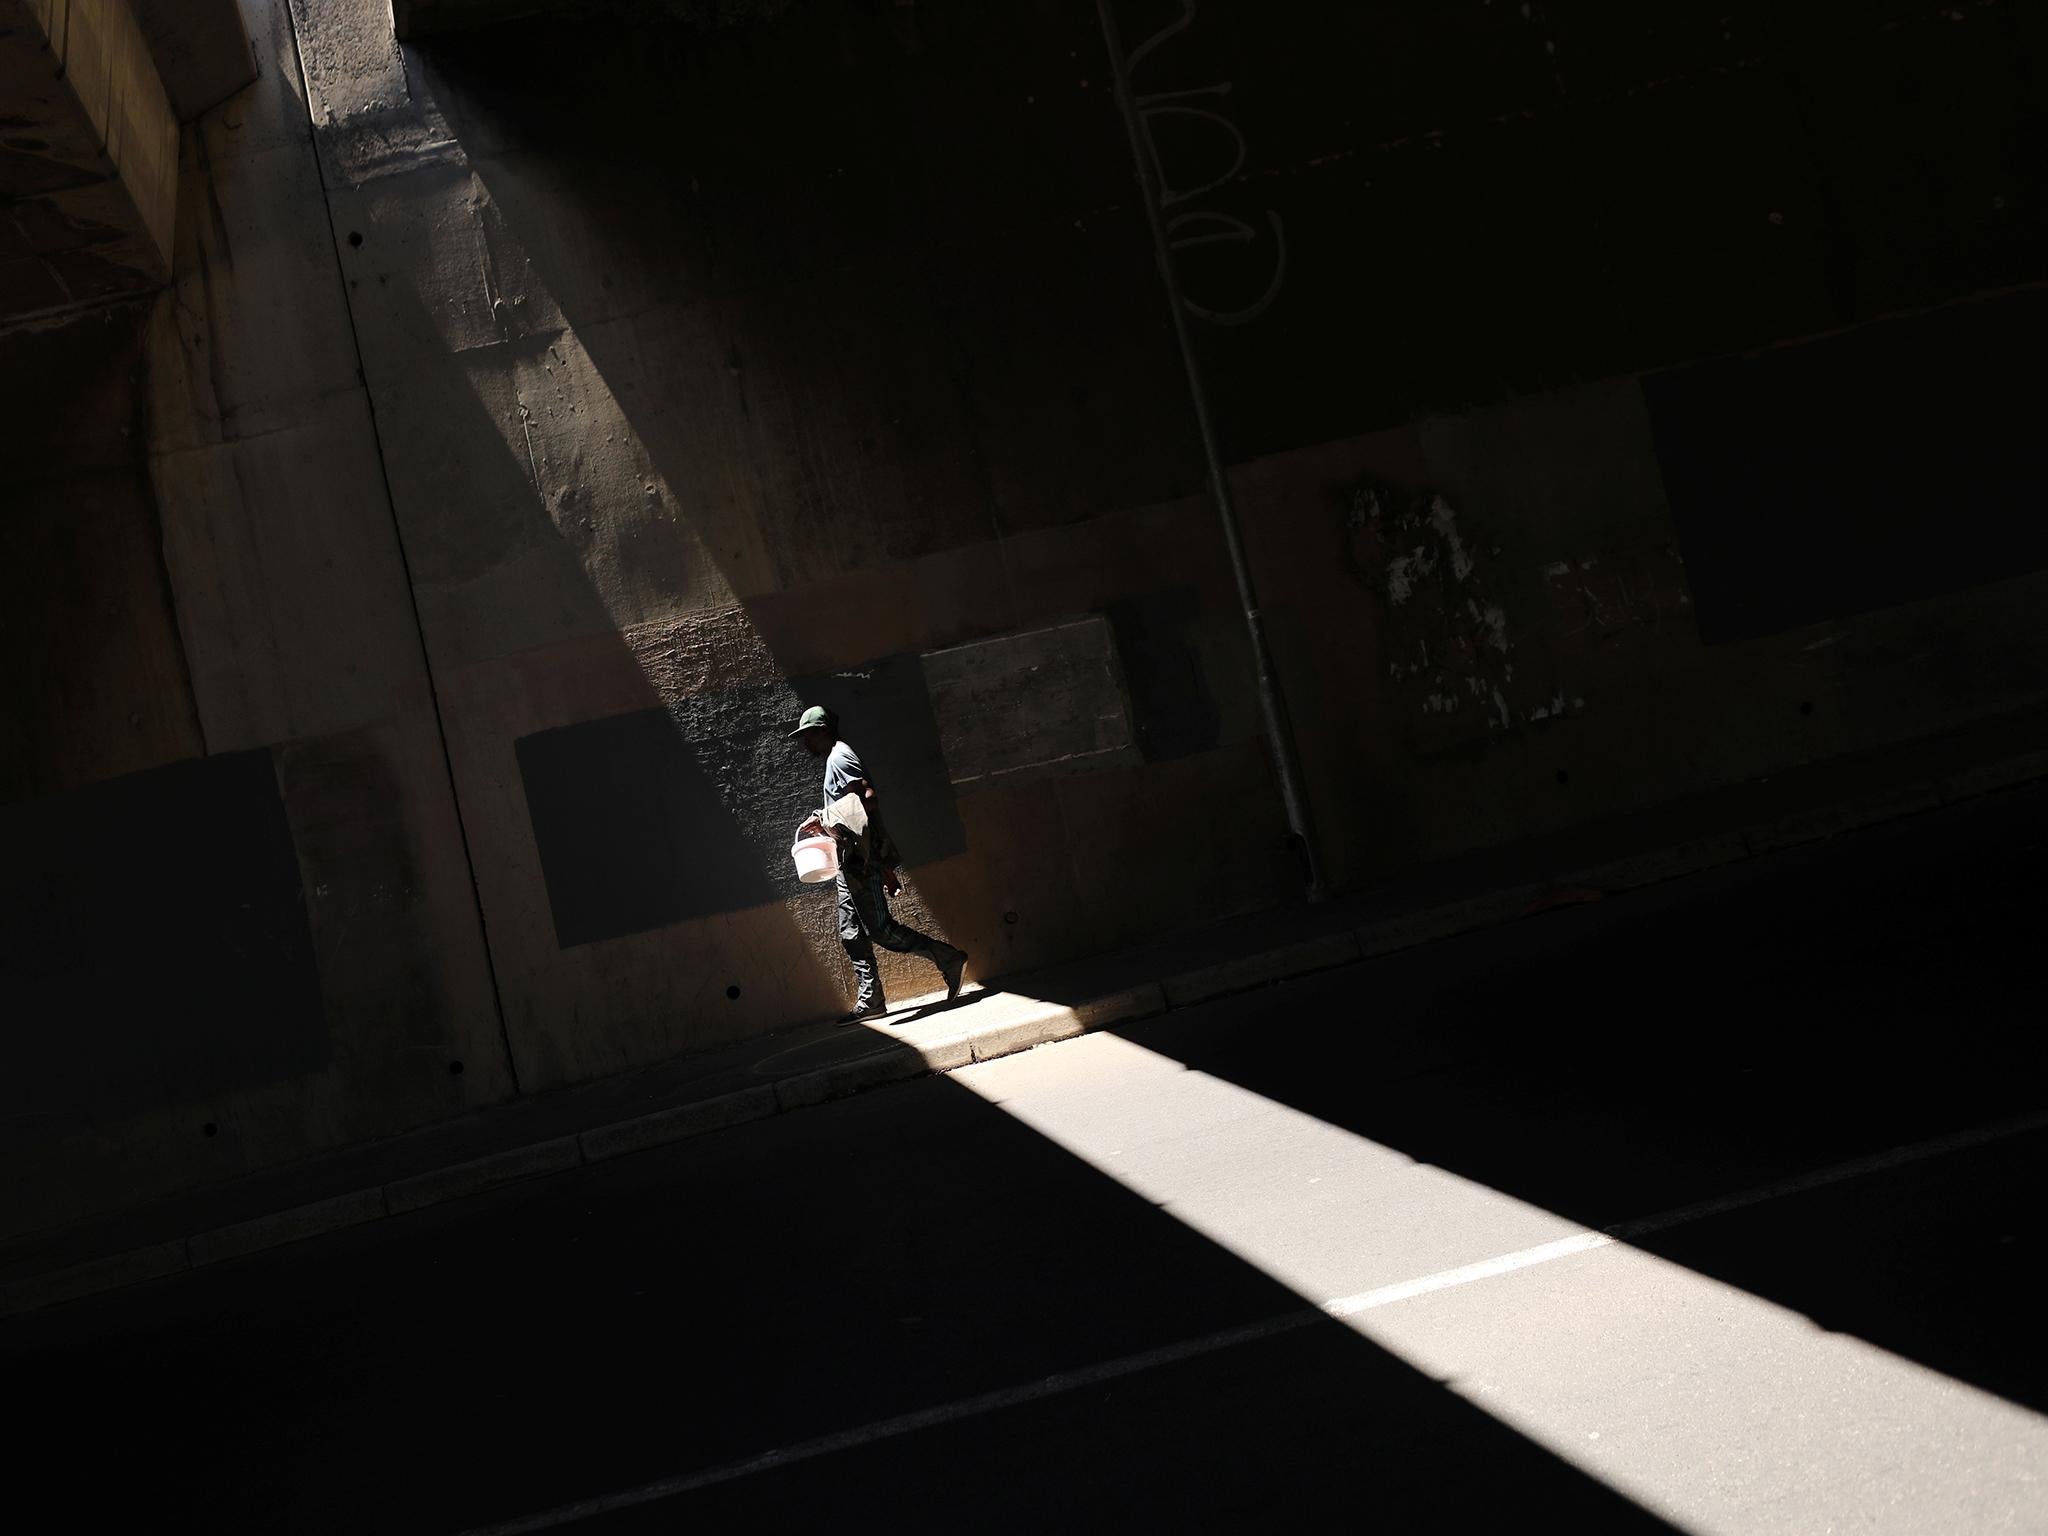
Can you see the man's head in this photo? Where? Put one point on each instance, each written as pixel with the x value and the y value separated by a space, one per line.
pixel 817 728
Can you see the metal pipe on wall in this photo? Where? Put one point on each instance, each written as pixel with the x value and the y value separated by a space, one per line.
pixel 1272 704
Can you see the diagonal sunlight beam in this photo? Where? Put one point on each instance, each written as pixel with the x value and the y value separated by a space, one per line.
pixel 593 572
pixel 1669 1386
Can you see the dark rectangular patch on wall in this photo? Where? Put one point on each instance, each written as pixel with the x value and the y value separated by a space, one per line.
pixel 1898 461
pixel 632 831
pixel 1174 708
pixel 154 945
pixel 687 811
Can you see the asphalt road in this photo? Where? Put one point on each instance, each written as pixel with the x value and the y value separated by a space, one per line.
pixel 1719 1207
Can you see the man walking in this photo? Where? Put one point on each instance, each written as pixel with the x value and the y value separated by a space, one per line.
pixel 867 870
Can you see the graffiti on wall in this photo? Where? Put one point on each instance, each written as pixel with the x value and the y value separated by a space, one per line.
pixel 1450 653
pixel 1210 151
pixel 1616 599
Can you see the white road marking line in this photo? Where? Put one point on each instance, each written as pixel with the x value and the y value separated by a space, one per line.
pixel 1254 1332
pixel 1485 1269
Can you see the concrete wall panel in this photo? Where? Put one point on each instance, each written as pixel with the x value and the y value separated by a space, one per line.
pixel 1811 482
pixel 156 948
pixel 260 329
pixel 291 591
pixel 716 373
pixel 591 1008
pixel 1604 697
pixel 272 111
pixel 201 49
pixel 1184 843
pixel 1041 702
pixel 394 926
pixel 96 684
pixel 228 483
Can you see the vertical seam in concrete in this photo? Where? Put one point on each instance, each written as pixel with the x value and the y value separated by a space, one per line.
pixel 143 425
pixel 476 894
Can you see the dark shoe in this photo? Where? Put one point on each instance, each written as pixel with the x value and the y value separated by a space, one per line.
pixel 955 972
pixel 872 1011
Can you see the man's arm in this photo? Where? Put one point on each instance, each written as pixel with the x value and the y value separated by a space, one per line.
pixel 814 826
pixel 892 884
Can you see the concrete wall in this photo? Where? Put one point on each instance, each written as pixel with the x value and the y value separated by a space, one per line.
pixel 239 923
pixel 1572 571
pixel 201 48
pixel 698 413
pixel 545 412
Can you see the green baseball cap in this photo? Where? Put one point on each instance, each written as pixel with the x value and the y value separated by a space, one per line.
pixel 817 717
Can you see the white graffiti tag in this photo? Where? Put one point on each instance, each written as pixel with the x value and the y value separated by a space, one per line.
pixel 1195 227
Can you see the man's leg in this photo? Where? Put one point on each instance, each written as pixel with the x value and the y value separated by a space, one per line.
pixel 871 905
pixel 853 934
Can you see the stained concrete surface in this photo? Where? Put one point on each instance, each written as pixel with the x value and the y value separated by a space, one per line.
pixel 690 1308
pixel 598 367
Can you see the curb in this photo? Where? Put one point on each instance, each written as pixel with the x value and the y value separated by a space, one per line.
pixel 906 1055
pixel 1247 971
pixel 896 1058
pixel 112 1273
pixel 473 1178
pixel 678 1124
pixel 287 1226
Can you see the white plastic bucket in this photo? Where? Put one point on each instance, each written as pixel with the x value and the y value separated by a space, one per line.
pixel 817 859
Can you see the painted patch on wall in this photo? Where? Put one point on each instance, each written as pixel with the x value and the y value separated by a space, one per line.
pixel 632 831
pixel 663 815
pixel 1891 463
pixel 154 946
pixel 1174 708
pixel 1614 601
pixel 1017 707
pixel 1450 652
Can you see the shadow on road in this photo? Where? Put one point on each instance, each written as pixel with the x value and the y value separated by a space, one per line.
pixel 691 1308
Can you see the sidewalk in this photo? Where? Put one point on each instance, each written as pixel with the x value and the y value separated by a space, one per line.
pixel 796 1069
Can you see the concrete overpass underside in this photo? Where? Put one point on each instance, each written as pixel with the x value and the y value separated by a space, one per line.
pixel 91 96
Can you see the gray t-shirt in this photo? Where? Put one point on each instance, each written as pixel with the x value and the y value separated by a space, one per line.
pixel 842 771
